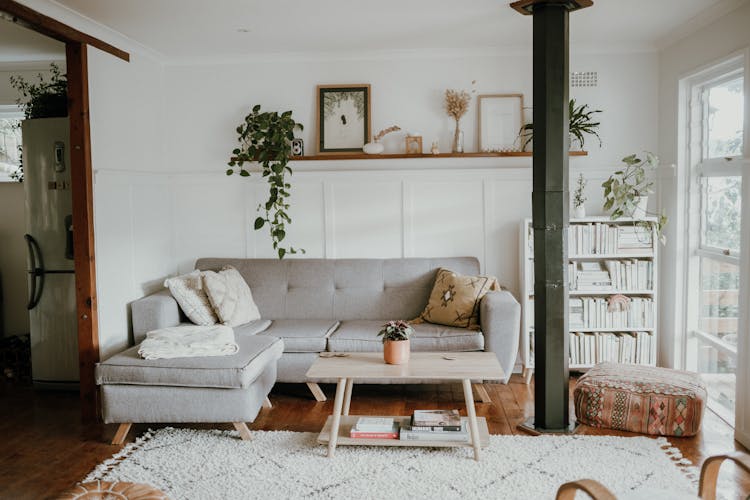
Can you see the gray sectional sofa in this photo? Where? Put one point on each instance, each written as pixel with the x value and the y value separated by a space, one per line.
pixel 308 306
pixel 338 305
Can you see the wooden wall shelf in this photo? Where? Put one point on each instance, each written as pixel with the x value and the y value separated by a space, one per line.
pixel 362 156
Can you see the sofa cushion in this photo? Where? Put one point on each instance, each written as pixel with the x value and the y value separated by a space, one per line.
pixel 235 371
pixel 302 335
pixel 230 296
pixel 361 336
pixel 188 291
pixel 455 299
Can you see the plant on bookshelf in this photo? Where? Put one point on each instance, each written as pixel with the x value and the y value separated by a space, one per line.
pixel 626 191
pixel 579 198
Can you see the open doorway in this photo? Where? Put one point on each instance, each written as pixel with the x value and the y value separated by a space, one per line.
pixel 39 327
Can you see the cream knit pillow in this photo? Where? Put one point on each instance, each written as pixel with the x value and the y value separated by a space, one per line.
pixel 188 291
pixel 230 296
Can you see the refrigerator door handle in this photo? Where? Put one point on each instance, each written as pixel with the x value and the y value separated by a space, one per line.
pixel 36 272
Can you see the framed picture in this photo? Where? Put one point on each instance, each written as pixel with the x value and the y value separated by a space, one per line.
pixel 343 118
pixel 500 121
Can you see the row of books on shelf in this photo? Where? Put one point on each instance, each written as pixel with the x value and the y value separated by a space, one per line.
pixel 602 238
pixel 625 347
pixel 424 425
pixel 623 274
pixel 613 312
pixel 630 274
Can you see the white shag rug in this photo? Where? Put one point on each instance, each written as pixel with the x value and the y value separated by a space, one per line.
pixel 213 464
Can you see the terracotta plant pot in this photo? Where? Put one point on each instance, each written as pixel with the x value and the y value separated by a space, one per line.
pixel 396 352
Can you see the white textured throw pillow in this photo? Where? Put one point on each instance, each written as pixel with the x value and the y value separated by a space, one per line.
pixel 231 297
pixel 188 291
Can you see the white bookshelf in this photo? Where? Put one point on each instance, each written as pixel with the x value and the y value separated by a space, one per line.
pixel 609 343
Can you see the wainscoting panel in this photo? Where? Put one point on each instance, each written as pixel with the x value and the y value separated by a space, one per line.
pixel 446 218
pixel 210 218
pixel 365 219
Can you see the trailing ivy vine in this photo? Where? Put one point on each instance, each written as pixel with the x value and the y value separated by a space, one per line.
pixel 266 137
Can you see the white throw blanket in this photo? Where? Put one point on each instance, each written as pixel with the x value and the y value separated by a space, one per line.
pixel 188 341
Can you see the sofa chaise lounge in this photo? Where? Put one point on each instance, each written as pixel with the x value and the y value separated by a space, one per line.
pixel 338 305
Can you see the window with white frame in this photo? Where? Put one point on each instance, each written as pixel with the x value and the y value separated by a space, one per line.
pixel 10 143
pixel 716 146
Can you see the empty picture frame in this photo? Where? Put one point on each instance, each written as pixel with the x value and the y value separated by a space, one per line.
pixel 343 124
pixel 500 119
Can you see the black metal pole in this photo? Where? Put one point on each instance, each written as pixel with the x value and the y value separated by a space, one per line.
pixel 550 202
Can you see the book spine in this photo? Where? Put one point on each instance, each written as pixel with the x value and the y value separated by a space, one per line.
pixel 373 435
pixel 438 436
pixel 435 428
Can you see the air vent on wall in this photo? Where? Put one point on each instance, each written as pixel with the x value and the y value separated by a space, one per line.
pixel 584 79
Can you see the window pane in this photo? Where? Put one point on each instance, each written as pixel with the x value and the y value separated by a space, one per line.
pixel 725 116
pixel 712 350
pixel 721 200
pixel 10 144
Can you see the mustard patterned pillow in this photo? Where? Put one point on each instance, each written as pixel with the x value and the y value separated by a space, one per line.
pixel 454 300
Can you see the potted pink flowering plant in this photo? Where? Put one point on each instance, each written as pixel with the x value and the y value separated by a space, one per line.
pixel 396 342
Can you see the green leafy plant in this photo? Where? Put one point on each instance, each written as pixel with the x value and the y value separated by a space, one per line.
pixel 625 188
pixel 396 330
pixel 580 124
pixel 45 99
pixel 266 138
pixel 578 197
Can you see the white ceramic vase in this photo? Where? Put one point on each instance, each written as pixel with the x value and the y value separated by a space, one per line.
pixel 641 203
pixel 373 148
pixel 579 212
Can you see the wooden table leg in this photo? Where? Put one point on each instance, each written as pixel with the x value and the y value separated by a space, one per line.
pixel 472 412
pixel 348 395
pixel 337 404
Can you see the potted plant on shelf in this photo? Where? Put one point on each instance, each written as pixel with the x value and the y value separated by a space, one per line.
pixel 579 198
pixel 581 123
pixel 396 342
pixel 626 191
pixel 46 99
pixel 266 138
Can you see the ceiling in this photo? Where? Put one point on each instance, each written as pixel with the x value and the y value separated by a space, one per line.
pixel 200 30
pixel 18 44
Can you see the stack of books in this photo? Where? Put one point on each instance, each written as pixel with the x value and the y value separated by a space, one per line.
pixel 633 239
pixel 591 277
pixel 435 425
pixel 375 428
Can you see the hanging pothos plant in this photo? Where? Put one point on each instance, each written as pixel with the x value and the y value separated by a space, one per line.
pixel 266 138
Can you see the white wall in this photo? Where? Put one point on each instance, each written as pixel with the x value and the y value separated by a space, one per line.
pixel 394 208
pixel 13 259
pixel 709 45
pixel 132 214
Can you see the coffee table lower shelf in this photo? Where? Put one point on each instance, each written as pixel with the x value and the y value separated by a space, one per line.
pixel 347 421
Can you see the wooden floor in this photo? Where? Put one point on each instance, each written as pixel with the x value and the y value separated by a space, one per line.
pixel 44 448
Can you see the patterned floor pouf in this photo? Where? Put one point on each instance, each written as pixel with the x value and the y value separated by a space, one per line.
pixel 645 399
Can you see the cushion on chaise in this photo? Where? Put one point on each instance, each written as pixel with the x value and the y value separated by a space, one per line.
pixel 236 371
pixel 361 336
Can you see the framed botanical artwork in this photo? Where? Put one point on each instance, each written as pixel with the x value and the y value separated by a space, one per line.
pixel 500 120
pixel 343 122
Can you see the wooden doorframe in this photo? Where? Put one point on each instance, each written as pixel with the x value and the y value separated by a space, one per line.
pixel 76 58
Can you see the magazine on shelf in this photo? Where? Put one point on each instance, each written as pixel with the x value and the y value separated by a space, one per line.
pixel 393 433
pixel 447 420
pixel 461 435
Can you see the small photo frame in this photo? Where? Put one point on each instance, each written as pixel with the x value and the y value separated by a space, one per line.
pixel 414 144
pixel 500 119
pixel 343 124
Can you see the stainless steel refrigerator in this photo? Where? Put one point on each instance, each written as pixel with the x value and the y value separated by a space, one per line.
pixel 49 208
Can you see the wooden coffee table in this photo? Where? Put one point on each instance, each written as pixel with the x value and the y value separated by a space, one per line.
pixel 463 366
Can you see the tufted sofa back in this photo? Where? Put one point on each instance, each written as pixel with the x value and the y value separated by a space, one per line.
pixel 341 289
